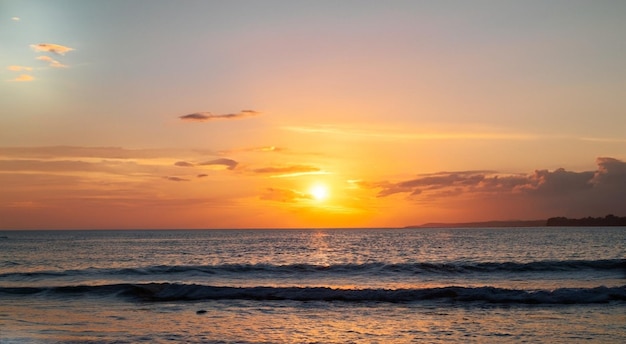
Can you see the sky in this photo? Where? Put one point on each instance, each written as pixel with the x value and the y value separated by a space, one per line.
pixel 280 114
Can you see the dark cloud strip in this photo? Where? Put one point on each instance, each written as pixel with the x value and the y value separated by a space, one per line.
pixel 229 163
pixel 183 164
pixel 177 179
pixel 208 116
pixel 585 192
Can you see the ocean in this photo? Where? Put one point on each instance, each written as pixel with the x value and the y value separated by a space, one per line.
pixel 458 285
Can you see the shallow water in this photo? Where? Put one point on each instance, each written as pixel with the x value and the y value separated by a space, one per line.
pixel 245 321
pixel 557 285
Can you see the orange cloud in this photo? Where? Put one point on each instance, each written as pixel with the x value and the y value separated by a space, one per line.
pixel 51 48
pixel 16 68
pixel 24 78
pixel 207 116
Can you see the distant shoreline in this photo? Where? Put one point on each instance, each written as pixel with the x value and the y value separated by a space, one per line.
pixel 485 224
pixel 607 221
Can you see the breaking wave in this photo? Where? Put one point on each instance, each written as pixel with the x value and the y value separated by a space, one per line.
pixel 614 265
pixel 154 292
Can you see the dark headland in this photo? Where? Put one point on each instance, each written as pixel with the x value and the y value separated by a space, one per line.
pixel 607 221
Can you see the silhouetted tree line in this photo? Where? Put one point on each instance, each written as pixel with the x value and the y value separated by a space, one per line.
pixel 609 220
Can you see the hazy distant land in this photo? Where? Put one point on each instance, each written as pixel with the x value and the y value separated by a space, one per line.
pixel 609 220
pixel 490 224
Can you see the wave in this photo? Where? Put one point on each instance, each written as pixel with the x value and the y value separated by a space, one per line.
pixel 616 265
pixel 155 292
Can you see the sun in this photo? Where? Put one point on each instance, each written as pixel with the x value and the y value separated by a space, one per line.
pixel 319 192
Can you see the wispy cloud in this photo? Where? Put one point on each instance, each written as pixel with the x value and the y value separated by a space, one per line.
pixel 112 163
pixel 289 171
pixel 16 68
pixel 437 132
pixel 260 149
pixel 56 152
pixel 394 134
pixel 25 204
pixel 22 77
pixel 15 18
pixel 56 49
pixel 51 62
pixel 604 139
pixel 51 48
pixel 208 116
pixel 32 165
pixel 286 169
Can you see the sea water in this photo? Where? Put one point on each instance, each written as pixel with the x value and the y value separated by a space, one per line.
pixel 496 285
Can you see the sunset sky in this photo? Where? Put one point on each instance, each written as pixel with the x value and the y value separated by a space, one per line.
pixel 246 114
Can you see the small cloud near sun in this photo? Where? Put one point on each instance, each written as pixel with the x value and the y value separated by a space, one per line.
pixel 15 18
pixel 283 195
pixel 208 116
pixel 51 48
